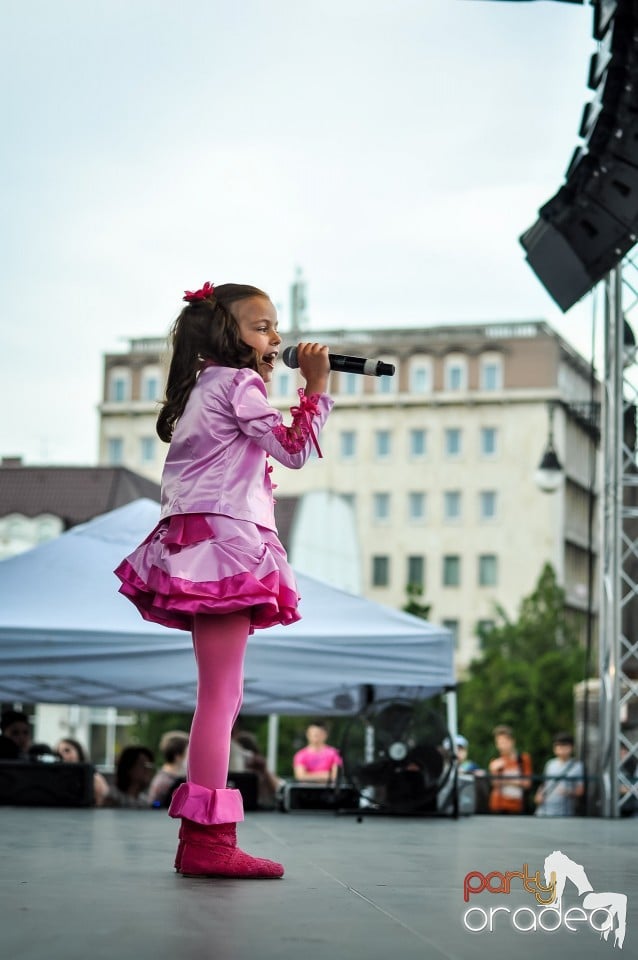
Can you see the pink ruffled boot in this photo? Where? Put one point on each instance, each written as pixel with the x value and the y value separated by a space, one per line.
pixel 207 837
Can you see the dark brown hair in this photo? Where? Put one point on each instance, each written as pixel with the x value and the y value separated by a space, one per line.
pixel 77 746
pixel 205 330
pixel 126 761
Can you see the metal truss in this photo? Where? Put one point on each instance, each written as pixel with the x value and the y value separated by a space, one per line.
pixel 618 651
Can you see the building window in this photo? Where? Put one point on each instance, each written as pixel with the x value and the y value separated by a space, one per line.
pixel 416 572
pixel 283 383
pixel 350 384
pixel 147 449
pixel 382 444
pixel 453 627
pixel 420 378
pixel 381 506
pixel 452 505
pixel 115 450
pixel 350 499
pixel 416 506
pixel 455 373
pixel 491 373
pixel 119 387
pixel 380 571
pixel 418 443
pixel 487 504
pixel 452 442
pixel 348 444
pixel 488 441
pixel 150 386
pixel 488 570
pixel 387 385
pixel 451 571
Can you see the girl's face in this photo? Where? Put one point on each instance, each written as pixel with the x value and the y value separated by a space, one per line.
pixel 68 752
pixel 257 321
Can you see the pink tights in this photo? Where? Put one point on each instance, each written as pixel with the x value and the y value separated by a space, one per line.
pixel 220 646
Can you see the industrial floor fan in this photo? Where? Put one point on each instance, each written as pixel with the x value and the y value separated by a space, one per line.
pixel 396 755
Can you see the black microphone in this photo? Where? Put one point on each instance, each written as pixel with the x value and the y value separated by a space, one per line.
pixel 372 368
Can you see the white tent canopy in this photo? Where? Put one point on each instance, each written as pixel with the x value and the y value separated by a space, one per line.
pixel 67 636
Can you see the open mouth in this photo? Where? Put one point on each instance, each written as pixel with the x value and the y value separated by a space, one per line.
pixel 269 359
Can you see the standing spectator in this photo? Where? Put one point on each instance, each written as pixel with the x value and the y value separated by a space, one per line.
pixel 133 774
pixel 15 725
pixel 71 751
pixel 465 764
pixel 174 748
pixel 317 762
pixel 511 774
pixel 561 787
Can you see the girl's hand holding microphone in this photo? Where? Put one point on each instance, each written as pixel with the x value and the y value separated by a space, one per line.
pixel 314 366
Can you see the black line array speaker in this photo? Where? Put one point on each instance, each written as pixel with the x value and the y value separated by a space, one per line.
pixel 34 784
pixel 586 229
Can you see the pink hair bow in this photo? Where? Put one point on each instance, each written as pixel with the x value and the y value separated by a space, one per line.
pixel 208 290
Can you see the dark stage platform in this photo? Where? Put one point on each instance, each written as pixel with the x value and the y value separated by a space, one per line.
pixel 81 884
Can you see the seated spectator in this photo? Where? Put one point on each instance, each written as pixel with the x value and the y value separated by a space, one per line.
pixel 245 755
pixel 557 795
pixel 511 774
pixel 174 748
pixel 317 762
pixel 133 774
pixel 70 751
pixel 15 725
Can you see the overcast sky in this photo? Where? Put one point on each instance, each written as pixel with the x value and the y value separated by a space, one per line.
pixel 394 149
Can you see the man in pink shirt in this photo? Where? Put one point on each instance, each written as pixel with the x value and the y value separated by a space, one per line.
pixel 318 762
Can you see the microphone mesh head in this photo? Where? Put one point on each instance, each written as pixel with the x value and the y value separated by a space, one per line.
pixel 289 357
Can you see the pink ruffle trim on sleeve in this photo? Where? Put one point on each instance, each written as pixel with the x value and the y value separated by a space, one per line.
pixel 294 438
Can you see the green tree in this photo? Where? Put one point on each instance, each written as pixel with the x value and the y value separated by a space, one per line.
pixel 150 725
pixel 525 677
pixel 414 602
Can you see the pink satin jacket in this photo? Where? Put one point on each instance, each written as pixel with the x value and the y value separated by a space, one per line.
pixel 216 460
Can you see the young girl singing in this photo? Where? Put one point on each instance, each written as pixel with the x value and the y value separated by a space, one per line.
pixel 214 564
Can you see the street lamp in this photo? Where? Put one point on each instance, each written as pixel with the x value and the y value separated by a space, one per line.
pixel 549 473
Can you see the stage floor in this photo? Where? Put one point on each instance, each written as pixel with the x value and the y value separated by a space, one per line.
pixel 99 885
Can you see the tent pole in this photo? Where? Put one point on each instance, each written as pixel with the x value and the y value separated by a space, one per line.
pixel 451 707
pixel 273 742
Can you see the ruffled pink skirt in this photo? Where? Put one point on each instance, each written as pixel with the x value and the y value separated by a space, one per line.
pixel 205 563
